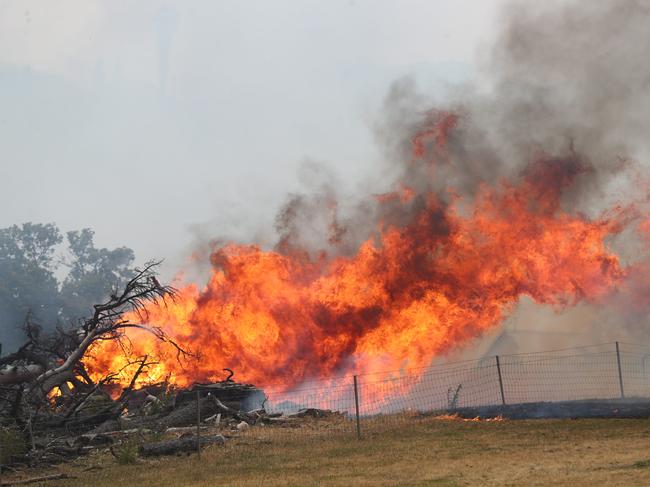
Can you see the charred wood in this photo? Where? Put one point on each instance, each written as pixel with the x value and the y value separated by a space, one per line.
pixel 172 447
pixel 186 415
pixel 34 480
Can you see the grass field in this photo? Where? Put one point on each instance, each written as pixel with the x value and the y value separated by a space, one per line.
pixel 415 451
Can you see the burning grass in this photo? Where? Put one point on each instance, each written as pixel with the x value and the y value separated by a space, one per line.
pixel 458 417
pixel 402 450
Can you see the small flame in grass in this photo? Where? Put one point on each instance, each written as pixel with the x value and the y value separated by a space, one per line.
pixel 477 419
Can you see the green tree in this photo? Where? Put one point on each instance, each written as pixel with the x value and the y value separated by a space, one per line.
pixel 93 274
pixel 27 278
pixel 29 266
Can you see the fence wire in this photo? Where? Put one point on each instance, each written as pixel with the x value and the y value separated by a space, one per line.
pixel 366 404
pixel 597 372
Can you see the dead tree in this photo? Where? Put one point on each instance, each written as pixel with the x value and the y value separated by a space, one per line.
pixel 185 444
pixel 44 363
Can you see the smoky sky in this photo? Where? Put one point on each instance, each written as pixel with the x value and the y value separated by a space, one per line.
pixel 563 79
pixel 565 83
pixel 163 124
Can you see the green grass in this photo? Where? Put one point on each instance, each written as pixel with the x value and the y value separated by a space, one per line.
pixel 12 443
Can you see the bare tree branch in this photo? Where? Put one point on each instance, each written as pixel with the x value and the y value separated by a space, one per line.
pixel 48 362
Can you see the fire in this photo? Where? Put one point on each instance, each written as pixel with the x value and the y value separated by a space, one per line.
pixel 411 292
pixel 477 419
pixel 54 394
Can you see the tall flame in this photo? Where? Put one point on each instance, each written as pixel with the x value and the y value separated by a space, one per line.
pixel 411 292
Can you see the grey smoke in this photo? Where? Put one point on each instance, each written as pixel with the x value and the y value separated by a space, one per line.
pixel 567 79
pixel 561 77
pixel 571 71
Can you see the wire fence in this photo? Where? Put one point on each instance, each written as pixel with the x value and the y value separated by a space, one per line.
pixel 366 404
pixel 597 372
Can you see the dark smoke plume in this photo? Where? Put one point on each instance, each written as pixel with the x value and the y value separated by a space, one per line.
pixel 523 194
pixel 565 79
pixel 566 82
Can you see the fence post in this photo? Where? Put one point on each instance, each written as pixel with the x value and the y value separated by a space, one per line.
pixel 356 406
pixel 1 435
pixel 503 397
pixel 198 422
pixel 620 373
pixel 645 374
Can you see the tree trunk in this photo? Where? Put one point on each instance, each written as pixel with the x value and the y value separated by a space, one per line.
pixel 186 415
pixel 171 447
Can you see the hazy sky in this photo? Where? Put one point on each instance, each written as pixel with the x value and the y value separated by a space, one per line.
pixel 157 123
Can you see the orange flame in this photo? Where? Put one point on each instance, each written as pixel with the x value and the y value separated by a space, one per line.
pixel 477 419
pixel 409 294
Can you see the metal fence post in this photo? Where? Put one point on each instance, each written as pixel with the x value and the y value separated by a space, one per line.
pixel 356 406
pixel 620 373
pixel 644 364
pixel 503 397
pixel 1 436
pixel 198 422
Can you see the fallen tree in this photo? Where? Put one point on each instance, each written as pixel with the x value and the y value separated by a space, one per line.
pixel 52 411
pixel 44 383
pixel 184 444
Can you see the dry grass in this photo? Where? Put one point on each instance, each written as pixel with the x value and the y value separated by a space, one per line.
pixel 405 451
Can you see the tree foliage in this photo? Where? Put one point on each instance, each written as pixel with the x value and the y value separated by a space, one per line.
pixel 37 278
pixel 27 279
pixel 93 273
pixel 55 361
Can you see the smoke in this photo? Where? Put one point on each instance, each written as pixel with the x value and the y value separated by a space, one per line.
pixel 569 77
pixel 571 74
pixel 563 79
pixel 566 83
pixel 522 190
